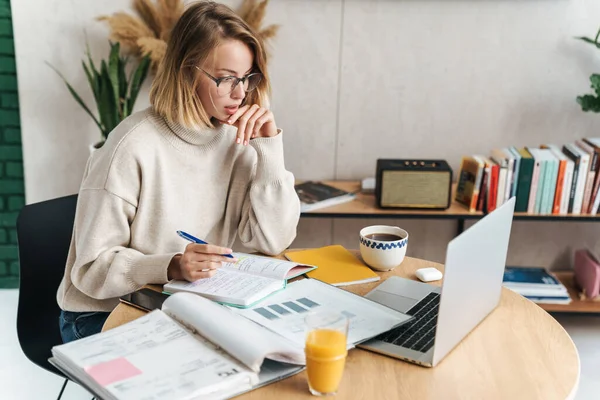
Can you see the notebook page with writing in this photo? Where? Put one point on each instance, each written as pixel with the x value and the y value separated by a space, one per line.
pixel 231 287
pixel 267 266
pixel 243 339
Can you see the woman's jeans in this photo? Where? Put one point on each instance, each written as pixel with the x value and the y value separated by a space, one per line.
pixel 77 325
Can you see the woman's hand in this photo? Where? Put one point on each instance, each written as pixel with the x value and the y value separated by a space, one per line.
pixel 198 261
pixel 252 122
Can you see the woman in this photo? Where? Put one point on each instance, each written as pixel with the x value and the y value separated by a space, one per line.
pixel 205 158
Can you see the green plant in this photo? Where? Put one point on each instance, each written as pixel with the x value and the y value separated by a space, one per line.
pixel 115 93
pixel 591 102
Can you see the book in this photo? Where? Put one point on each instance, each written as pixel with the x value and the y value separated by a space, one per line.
pixel 564 180
pixel 529 277
pixel 591 175
pixel 582 180
pixel 514 153
pixel 524 183
pixel 190 349
pixel 595 201
pixel 243 283
pixel 537 183
pixel 550 183
pixel 315 195
pixel 469 182
pixel 536 284
pixel 336 265
pixel 576 159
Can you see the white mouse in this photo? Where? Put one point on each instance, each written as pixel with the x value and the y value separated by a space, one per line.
pixel 429 274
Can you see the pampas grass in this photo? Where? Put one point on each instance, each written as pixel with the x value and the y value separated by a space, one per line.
pixel 147 33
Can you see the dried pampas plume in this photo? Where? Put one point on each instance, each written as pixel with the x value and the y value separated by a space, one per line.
pixel 148 31
pixel 253 12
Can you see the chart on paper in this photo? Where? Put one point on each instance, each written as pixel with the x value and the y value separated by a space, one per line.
pixel 285 311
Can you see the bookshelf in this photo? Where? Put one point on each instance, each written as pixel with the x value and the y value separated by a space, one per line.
pixel 364 206
pixel 576 306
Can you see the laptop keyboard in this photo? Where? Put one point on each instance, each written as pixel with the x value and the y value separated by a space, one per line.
pixel 419 333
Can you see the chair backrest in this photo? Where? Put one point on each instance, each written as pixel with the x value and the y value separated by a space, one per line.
pixel 44 234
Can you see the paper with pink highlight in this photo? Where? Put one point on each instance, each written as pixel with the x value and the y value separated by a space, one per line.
pixel 112 371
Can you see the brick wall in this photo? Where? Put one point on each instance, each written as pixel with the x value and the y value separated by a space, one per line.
pixel 12 193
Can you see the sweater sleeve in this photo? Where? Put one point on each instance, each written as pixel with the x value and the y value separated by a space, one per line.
pixel 104 266
pixel 271 209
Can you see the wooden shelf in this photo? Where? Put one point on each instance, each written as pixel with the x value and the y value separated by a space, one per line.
pixel 364 207
pixel 579 306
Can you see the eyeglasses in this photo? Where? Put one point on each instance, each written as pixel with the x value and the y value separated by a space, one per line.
pixel 227 84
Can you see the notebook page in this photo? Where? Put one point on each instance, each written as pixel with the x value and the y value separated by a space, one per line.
pixel 243 339
pixel 263 266
pixel 285 311
pixel 229 287
pixel 152 357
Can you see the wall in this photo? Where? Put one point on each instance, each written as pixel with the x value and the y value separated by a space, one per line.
pixel 355 81
pixel 11 160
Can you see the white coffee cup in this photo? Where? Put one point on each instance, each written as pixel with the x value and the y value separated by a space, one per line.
pixel 379 252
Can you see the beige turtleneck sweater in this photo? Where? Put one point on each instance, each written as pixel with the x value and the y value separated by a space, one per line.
pixel 151 179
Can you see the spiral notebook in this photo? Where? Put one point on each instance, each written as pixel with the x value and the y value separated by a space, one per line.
pixel 336 265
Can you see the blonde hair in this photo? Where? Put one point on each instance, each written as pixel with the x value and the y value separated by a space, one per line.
pixel 201 28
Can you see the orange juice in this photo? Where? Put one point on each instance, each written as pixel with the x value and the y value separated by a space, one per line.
pixel 325 357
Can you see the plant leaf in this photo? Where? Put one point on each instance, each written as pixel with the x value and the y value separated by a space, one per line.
pixel 113 74
pixel 107 99
pixel 588 40
pixel 93 83
pixel 77 97
pixel 137 80
pixel 123 87
pixel 589 103
pixel 595 80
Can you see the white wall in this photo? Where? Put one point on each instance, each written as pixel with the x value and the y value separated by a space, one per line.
pixel 355 81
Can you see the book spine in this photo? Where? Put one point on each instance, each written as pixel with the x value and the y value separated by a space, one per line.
pixel 509 179
pixel 493 192
pixel 560 179
pixel 534 186
pixel 564 204
pixel 517 170
pixel 569 152
pixel 483 189
pixel 477 187
pixel 552 186
pixel 539 195
pixel 524 182
pixel 581 182
pixel 501 186
pixel 591 175
pixel 593 143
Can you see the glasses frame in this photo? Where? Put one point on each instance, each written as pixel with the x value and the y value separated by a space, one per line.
pixel 243 79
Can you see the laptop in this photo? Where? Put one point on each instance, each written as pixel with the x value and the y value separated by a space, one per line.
pixel 443 316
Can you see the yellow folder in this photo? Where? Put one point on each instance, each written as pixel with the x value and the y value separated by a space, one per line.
pixel 336 265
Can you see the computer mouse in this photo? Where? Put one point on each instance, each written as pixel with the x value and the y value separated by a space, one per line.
pixel 428 274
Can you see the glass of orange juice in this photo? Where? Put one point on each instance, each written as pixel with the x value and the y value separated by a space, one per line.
pixel 325 350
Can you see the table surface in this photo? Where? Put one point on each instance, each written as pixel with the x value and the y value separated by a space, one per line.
pixel 518 351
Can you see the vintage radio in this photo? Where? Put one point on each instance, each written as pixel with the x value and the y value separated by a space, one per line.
pixel 419 184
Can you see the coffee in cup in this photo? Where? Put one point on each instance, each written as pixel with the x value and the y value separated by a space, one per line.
pixel 383 247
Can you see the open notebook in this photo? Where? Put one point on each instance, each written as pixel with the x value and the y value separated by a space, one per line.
pixel 195 348
pixel 243 283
